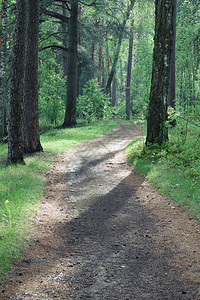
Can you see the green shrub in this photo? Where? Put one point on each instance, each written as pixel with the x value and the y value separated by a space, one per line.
pixel 93 104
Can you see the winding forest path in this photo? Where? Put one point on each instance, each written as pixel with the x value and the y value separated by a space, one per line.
pixel 103 232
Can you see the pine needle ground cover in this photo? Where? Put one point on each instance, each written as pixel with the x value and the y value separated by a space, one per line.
pixel 173 167
pixel 22 187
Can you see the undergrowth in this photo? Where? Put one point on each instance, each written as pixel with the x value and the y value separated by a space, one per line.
pixel 173 167
pixel 21 187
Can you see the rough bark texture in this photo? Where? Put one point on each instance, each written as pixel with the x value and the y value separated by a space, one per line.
pixel 64 37
pixel 70 115
pixel 158 101
pixel 172 83
pixel 15 135
pixel 128 82
pixel 31 118
pixel 3 58
pixel 116 56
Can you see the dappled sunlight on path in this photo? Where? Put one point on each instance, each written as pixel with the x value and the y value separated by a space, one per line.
pixel 103 232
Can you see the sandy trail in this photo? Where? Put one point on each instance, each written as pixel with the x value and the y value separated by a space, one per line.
pixel 103 232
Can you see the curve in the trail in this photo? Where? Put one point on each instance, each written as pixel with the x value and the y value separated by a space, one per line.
pixel 119 240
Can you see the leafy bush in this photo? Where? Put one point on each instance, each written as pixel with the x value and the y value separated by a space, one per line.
pixel 52 98
pixel 93 104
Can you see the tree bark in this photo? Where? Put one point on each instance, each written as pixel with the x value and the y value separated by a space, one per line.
pixel 15 134
pixel 70 114
pixel 158 102
pixel 116 56
pixel 128 82
pixel 64 38
pixel 3 72
pixel 31 117
pixel 172 82
pixel 114 86
pixel 100 52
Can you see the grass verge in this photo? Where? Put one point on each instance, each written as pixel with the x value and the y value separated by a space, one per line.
pixel 173 168
pixel 21 187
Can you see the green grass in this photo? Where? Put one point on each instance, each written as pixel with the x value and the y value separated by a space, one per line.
pixel 21 187
pixel 174 168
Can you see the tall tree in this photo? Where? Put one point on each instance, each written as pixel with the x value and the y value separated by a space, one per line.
pixel 128 81
pixel 31 119
pixel 15 125
pixel 172 82
pixel 158 102
pixel 3 64
pixel 116 56
pixel 70 114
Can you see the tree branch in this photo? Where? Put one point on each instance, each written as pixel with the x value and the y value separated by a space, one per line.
pixel 54 14
pixel 54 46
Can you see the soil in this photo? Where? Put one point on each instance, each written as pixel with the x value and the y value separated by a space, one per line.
pixel 104 233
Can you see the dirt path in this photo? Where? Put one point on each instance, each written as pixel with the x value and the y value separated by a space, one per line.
pixel 104 233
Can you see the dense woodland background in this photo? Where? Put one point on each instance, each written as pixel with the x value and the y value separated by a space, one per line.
pixel 114 51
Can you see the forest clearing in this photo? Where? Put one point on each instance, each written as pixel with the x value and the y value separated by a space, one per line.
pixel 99 149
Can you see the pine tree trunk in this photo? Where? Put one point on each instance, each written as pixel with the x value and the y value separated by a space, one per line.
pixel 31 117
pixel 172 82
pixel 70 115
pixel 16 118
pixel 64 37
pixel 3 72
pixel 158 102
pixel 128 82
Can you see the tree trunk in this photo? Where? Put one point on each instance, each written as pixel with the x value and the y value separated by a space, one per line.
pixel 128 82
pixel 31 118
pixel 70 115
pixel 64 37
pixel 100 52
pixel 116 56
pixel 15 134
pixel 172 82
pixel 114 86
pixel 158 102
pixel 3 73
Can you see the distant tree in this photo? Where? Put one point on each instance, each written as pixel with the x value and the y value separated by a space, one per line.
pixel 31 119
pixel 128 81
pixel 16 120
pixel 120 37
pixel 158 102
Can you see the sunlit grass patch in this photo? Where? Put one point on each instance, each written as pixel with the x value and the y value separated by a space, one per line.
pixel 21 187
pixel 174 167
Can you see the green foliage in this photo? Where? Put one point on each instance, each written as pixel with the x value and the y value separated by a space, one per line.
pixel 21 187
pixel 93 104
pixel 52 98
pixel 174 166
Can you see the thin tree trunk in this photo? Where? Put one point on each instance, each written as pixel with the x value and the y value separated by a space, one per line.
pixel 16 118
pixel 70 114
pixel 108 57
pixel 31 116
pixel 158 102
pixel 114 86
pixel 128 82
pixel 100 52
pixel 121 32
